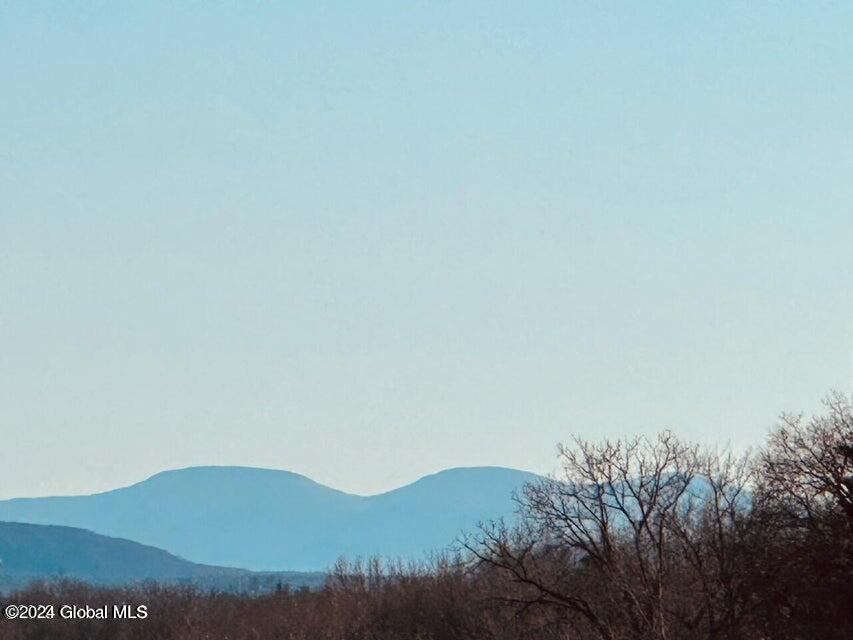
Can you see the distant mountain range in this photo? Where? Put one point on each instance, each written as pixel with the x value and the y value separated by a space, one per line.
pixel 269 520
pixel 31 551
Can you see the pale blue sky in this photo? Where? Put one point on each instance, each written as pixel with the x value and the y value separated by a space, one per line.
pixel 366 241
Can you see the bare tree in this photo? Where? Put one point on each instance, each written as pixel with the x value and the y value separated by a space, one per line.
pixel 627 538
pixel 807 468
pixel 803 558
pixel 711 534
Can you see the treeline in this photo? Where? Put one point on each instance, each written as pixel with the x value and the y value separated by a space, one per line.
pixel 641 539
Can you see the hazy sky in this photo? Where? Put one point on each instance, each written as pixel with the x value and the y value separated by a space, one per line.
pixel 366 241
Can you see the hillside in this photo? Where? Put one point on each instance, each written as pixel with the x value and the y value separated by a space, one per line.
pixel 30 551
pixel 266 519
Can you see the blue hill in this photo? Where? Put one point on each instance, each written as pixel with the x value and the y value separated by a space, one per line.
pixel 265 519
pixel 43 552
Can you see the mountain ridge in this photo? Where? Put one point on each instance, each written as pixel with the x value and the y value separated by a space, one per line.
pixel 238 467
pixel 44 552
pixel 270 519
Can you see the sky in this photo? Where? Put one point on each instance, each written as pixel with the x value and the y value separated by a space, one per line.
pixel 368 241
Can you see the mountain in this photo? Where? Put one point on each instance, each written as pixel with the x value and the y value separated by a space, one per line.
pixel 31 551
pixel 266 519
